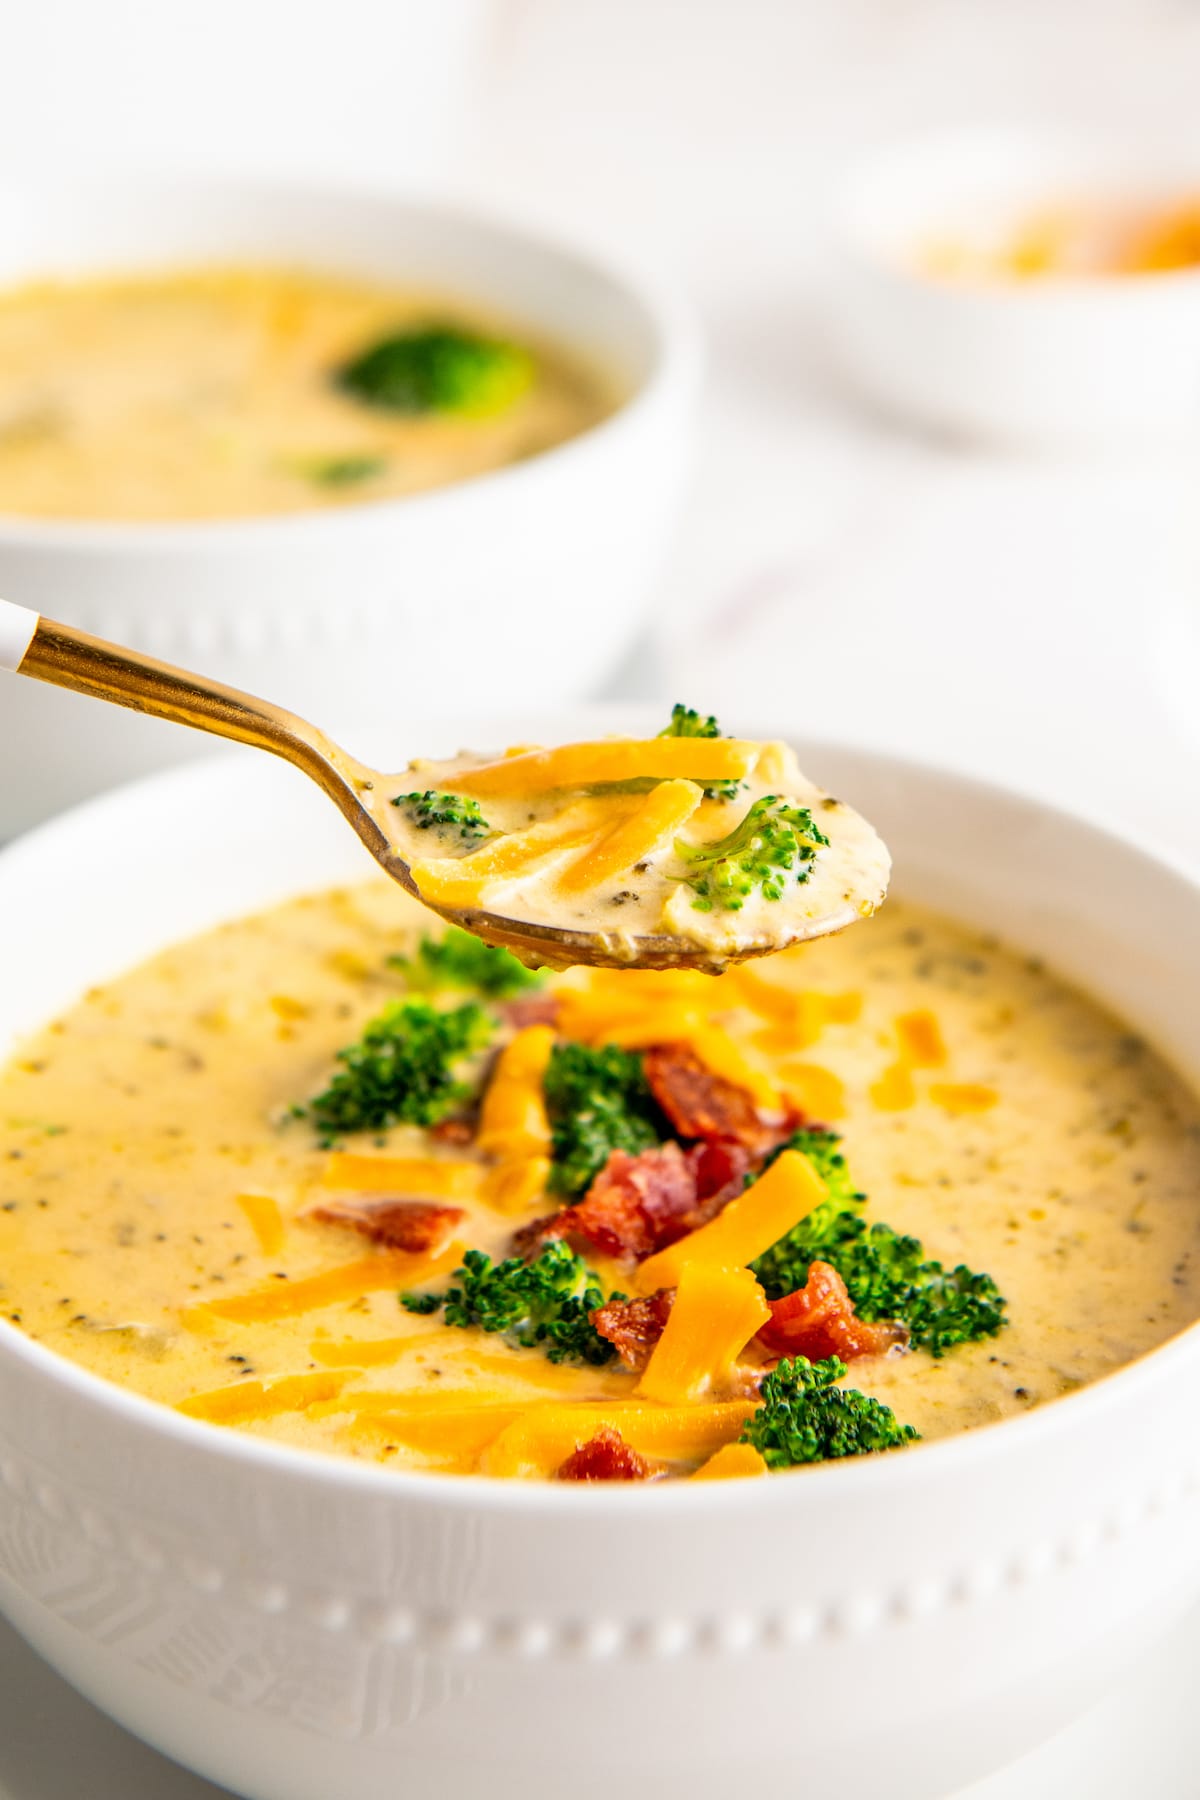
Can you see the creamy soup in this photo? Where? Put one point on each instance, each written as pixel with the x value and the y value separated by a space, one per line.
pixel 169 1220
pixel 218 393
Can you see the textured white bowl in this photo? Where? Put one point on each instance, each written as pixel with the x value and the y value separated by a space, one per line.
pixel 1058 361
pixel 530 581
pixel 298 1627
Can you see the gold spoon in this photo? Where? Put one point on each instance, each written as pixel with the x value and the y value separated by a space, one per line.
pixel 38 647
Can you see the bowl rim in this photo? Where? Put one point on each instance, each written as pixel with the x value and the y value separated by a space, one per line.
pixel 345 1476
pixel 675 365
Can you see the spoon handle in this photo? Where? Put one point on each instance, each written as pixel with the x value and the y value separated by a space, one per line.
pixel 47 651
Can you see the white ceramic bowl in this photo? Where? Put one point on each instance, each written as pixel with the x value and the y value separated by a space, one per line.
pixel 299 1627
pixel 1072 361
pixel 531 581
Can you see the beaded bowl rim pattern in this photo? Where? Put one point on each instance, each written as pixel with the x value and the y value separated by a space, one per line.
pixel 649 1636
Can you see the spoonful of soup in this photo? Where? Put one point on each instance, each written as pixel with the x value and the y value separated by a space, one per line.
pixel 684 850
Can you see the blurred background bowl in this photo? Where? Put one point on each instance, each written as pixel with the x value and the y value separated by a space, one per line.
pixel 1061 360
pixel 509 587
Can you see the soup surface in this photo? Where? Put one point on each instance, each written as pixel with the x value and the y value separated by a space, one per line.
pixel 216 393
pixel 168 1220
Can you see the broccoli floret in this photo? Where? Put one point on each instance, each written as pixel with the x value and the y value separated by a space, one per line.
pixel 457 959
pixel 439 369
pixel 545 1304
pixel 887 1275
pixel 598 1101
pixel 687 722
pixel 448 813
pixel 774 842
pixel 339 471
pixel 402 1070
pixel 806 1418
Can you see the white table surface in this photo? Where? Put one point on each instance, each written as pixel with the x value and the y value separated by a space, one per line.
pixel 1034 620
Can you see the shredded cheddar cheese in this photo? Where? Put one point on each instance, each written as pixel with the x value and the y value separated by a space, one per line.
pixel 744 1228
pixel 715 1314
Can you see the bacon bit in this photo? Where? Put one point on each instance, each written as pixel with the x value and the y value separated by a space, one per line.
pixel 702 1105
pixel 532 1239
pixel 605 1457
pixel 635 1206
pixel 819 1320
pixel 634 1326
pixel 453 1131
pixel 721 1166
pixel 532 1009
pixel 412 1225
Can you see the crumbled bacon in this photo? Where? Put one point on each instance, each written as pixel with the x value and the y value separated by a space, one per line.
pixel 702 1105
pixel 638 1204
pixel 819 1320
pixel 415 1225
pixel 721 1166
pixel 635 1206
pixel 531 1009
pixel 458 1130
pixel 605 1457
pixel 532 1239
pixel 635 1326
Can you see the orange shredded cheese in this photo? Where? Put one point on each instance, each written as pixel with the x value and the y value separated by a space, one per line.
pixel 514 1185
pixel 818 1092
pixel 922 1045
pixel 266 1221
pixel 715 1314
pixel 540 1441
pixel 615 759
pixel 731 1460
pixel 513 1121
pixel 963 1096
pixel 461 881
pixel 670 805
pixel 243 1401
pixel 349 1281
pixel 895 1089
pixel 746 1227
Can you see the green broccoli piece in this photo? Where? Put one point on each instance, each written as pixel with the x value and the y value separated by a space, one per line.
pixel 887 1275
pixel 545 1304
pixel 402 1070
pixel 598 1101
pixel 339 471
pixel 806 1418
pixel 774 841
pixel 445 813
pixel 439 369
pixel 457 959
pixel 687 722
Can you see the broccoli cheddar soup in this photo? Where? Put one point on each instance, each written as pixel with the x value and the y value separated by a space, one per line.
pixel 333 1178
pixel 219 392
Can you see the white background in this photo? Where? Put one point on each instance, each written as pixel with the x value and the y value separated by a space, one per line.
pixel 1034 619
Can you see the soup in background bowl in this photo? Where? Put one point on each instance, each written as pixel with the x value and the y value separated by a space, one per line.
pixel 210 393
pixel 930 1612
pixel 529 578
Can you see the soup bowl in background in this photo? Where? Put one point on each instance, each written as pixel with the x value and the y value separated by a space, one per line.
pixel 531 580
pixel 296 1626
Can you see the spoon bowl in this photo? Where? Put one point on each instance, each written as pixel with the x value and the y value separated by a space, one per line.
pixel 44 650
